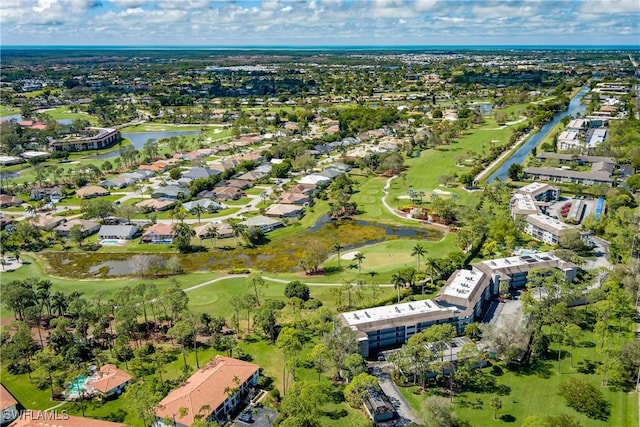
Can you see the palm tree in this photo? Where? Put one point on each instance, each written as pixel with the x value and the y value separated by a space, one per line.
pixel 397 281
pixel 418 251
pixel 43 294
pixel 359 257
pixel 179 213
pixel 198 210
pixel 30 210
pixel 433 263
pixel 337 247
pixel 212 233
pixel 59 303
pixel 239 229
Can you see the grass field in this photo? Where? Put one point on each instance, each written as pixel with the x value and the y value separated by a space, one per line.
pixel 534 392
pixel 423 171
pixel 214 301
pixel 159 127
pixel 31 268
pixel 65 113
pixel 212 298
pixel 6 110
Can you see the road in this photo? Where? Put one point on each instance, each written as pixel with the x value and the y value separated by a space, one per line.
pixel 406 414
pixel 383 200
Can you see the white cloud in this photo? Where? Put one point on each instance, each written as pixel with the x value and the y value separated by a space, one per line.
pixel 183 4
pixel 317 21
pixel 424 5
pixel 42 12
pixel 126 4
pixel 610 6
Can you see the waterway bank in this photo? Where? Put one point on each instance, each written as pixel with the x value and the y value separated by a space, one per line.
pixel 503 157
pixel 519 154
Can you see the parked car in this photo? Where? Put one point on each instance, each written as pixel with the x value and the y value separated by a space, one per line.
pixel 245 417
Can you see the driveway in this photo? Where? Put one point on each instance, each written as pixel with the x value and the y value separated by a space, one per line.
pixel 406 414
pixel 600 250
pixel 262 417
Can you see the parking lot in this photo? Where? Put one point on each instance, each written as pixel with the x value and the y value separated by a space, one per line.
pixel 262 417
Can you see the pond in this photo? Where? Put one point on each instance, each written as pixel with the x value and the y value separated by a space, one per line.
pixel 18 118
pixel 9 174
pixel 389 230
pixel 138 140
pixel 116 268
pixel 277 256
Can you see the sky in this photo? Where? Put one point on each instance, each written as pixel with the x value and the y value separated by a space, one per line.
pixel 319 22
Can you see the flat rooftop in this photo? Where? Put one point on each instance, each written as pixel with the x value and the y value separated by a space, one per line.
pixel 568 135
pixel 533 187
pixel 578 124
pixel 548 223
pixel 515 261
pixel 463 284
pixel 387 312
pixel 523 203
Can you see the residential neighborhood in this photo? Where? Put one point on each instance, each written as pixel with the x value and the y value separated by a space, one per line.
pixel 318 237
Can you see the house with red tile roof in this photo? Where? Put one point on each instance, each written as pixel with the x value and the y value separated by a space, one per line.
pixel 212 392
pixel 33 125
pixel 156 167
pixel 109 380
pixel 227 193
pixel 91 191
pixel 159 233
pixel 291 198
pixel 39 418
pixel 303 188
pixel 8 405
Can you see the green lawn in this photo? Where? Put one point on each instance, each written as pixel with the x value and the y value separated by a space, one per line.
pixel 90 287
pixel 77 201
pixel 6 110
pixel 25 392
pixel 423 172
pixel 534 392
pixel 65 113
pixel 240 202
pixel 255 191
pixel 385 258
pixel 159 127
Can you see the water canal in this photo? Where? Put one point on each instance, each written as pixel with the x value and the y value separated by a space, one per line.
pixel 575 107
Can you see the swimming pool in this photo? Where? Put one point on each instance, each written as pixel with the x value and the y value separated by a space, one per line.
pixel 599 208
pixel 111 242
pixel 78 385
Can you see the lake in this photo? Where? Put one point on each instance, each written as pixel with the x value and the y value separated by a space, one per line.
pixel 18 118
pixel 138 139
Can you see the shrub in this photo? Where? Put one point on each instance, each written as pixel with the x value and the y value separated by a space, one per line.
pixel 312 304
pixel 584 397
pixel 297 289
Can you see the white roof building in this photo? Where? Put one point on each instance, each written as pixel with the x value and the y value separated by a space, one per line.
pixel 464 298
pixel 314 179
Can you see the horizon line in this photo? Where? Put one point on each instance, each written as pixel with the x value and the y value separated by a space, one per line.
pixel 314 46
